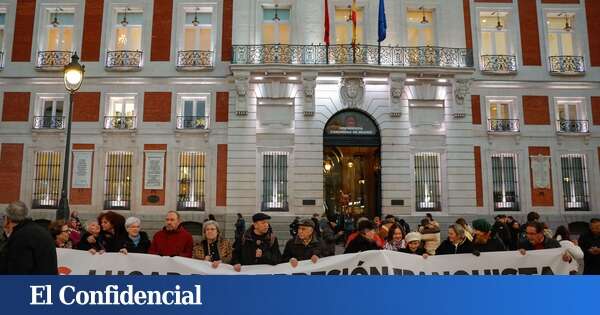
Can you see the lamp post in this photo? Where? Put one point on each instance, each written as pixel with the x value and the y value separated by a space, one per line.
pixel 73 76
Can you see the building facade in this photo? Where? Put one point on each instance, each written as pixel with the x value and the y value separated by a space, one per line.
pixel 467 108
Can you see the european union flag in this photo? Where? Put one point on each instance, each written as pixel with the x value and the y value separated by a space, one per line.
pixel 382 25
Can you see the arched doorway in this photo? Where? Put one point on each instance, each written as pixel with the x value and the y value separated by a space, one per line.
pixel 351 164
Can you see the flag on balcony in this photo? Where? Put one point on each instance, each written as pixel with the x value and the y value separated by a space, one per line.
pixel 326 37
pixel 354 19
pixel 382 24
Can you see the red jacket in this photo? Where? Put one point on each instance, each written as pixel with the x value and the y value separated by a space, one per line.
pixel 172 243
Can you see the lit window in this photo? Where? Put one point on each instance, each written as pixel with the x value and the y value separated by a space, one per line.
pixel 59 31
pixel 191 181
pixel 427 181
pixel 343 26
pixel 495 33
pixel 421 31
pixel 505 182
pixel 574 181
pixel 198 31
pixel 49 113
pixel 2 23
pixel 121 113
pixel 117 181
pixel 192 112
pixel 276 26
pixel 570 117
pixel 274 181
pixel 560 34
pixel 46 180
pixel 128 30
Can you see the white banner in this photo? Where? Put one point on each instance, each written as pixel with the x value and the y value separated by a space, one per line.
pixel 74 262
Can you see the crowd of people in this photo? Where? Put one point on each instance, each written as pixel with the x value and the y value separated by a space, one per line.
pixel 28 248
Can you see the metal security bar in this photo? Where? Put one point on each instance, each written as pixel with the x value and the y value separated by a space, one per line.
pixel 499 64
pixel 427 181
pixel 572 126
pixel 574 180
pixel 48 122
pixel 125 60
pixel 194 59
pixel 393 56
pixel 117 181
pixel 53 60
pixel 46 180
pixel 191 181
pixel 566 65
pixel 505 182
pixel 119 122
pixel 275 196
pixel 503 125
pixel 191 122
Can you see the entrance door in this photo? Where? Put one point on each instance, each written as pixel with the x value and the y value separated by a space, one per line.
pixel 351 165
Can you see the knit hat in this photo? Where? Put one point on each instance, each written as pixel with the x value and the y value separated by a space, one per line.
pixel 482 225
pixel 307 222
pixel 413 236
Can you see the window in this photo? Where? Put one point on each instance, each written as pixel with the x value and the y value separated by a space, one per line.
pixel 274 181
pixel 128 30
pixel 120 113
pixel 574 181
pixel 505 182
pixel 46 180
pixel 427 181
pixel 343 26
pixel 569 116
pixel 117 181
pixel 49 113
pixel 421 31
pixel 502 116
pixel 192 112
pixel 191 181
pixel 198 30
pixel 2 23
pixel 560 34
pixel 494 33
pixel 58 31
pixel 276 26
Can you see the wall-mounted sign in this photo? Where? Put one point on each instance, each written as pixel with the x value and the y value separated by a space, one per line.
pixel 540 170
pixel 154 170
pixel 82 169
pixel 351 123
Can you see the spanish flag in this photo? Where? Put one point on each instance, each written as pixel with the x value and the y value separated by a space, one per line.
pixel 354 19
pixel 326 33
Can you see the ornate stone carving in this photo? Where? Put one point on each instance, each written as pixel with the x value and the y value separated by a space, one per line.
pixel 352 92
pixel 241 87
pixel 309 84
pixel 462 89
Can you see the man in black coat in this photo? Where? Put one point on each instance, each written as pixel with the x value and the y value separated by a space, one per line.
pixel 258 246
pixel 535 240
pixel 304 246
pixel 484 240
pixel 30 248
pixel 501 230
pixel 590 244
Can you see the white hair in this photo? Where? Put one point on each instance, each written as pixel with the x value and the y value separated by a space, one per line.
pixel 17 211
pixel 131 221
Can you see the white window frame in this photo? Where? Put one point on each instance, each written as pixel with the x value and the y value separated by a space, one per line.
pixel 132 183
pixel 203 8
pixel 182 97
pixel 586 177
pixel 108 108
pixel 508 29
pixel 3 10
pixel 513 109
pixel 442 173
pixel 41 100
pixel 420 27
pixel 360 23
pixel 261 177
pixel 115 24
pixel 50 203
pixel 277 34
pixel 45 26
pixel 576 23
pixel 205 187
pixel 517 161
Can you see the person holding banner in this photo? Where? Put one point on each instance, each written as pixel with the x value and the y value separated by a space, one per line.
pixel 304 246
pixel 413 245
pixel 395 239
pixel 590 244
pixel 258 246
pixel 484 240
pixel 89 239
pixel 213 247
pixel 536 239
pixel 113 231
pixel 173 239
pixel 365 240
pixel 136 241
pixel 457 242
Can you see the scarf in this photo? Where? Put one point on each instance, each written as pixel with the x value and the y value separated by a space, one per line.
pixel 135 240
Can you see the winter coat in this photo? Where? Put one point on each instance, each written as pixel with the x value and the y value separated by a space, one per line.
pixel 31 251
pixel 245 252
pixel 84 244
pixel 142 247
pixel 494 244
pixel 361 244
pixel 548 243
pixel 448 248
pixel 502 232
pixel 431 239
pixel 178 242
pixel 240 227
pixel 295 248
pixel 591 262
pixel 224 248
pixel 575 252
pixel 3 252
pixel 328 236
pixel 111 243
pixel 420 251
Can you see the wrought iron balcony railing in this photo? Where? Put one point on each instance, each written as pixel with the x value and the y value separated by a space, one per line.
pixel 124 60
pixel 192 122
pixel 119 122
pixel 566 65
pixel 503 125
pixel 499 64
pixel 194 59
pixel 53 60
pixel 573 126
pixel 48 122
pixel 391 56
pixel 1 60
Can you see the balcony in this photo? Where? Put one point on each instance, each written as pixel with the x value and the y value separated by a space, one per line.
pixel 124 60
pixel 503 125
pixel 572 126
pixel 119 122
pixel 191 122
pixel 388 56
pixel 193 60
pixel 53 60
pixel 499 64
pixel 48 122
pixel 566 65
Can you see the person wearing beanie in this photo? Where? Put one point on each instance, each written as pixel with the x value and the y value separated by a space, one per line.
pixel 304 246
pixel 483 240
pixel 258 245
pixel 413 245
pixel 365 239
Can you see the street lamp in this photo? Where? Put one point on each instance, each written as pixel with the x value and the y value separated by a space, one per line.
pixel 73 76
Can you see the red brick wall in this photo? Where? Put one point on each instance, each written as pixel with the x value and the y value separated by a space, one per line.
pixel 592 9
pixel 11 163
pixel 86 106
pixel 81 196
pixel 540 197
pixel 536 110
pixel 530 36
pixel 596 110
pixel 221 175
pixel 467 17
pixel 495 1
pixel 226 36
pixel 157 106
pixel 476 109
pixel 16 106
pixel 161 30
pixel 222 114
pixel 561 1
pixel 478 177
pixel 92 30
pixel 23 35
pixel 149 192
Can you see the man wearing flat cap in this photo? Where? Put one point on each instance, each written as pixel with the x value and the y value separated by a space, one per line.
pixel 484 241
pixel 304 246
pixel 258 245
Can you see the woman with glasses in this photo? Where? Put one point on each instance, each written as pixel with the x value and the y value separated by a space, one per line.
pixel 60 233
pixel 213 247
